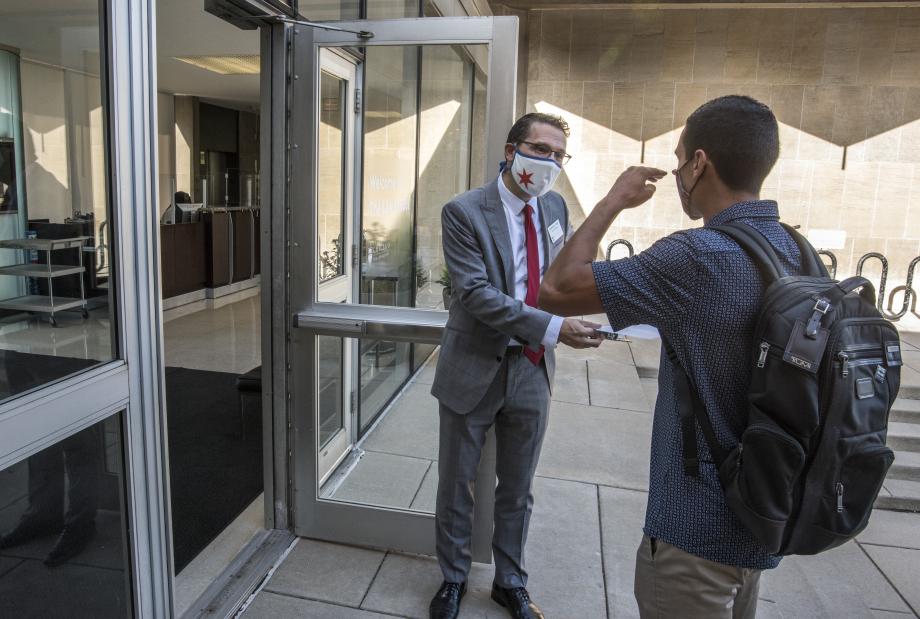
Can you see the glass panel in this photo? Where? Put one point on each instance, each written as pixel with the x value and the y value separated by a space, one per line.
pixel 65 506
pixel 392 9
pixel 331 204
pixel 395 464
pixel 55 244
pixel 421 106
pixel 387 270
pixel 330 10
pixel 331 387
pixel 444 160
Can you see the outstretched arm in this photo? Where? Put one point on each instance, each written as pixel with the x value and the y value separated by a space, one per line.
pixel 568 287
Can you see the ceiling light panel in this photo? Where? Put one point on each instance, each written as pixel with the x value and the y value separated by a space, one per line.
pixel 241 64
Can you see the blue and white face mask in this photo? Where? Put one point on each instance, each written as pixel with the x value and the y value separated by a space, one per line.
pixel 534 175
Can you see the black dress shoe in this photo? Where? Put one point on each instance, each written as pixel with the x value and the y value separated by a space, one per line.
pixel 517 601
pixel 27 530
pixel 73 539
pixel 446 602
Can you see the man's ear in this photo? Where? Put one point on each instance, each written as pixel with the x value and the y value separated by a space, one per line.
pixel 700 159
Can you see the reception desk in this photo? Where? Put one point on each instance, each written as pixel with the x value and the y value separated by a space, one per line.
pixel 218 250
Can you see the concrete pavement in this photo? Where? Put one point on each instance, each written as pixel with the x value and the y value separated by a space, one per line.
pixel 590 502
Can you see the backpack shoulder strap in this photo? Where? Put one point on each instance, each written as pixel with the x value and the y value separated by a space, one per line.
pixel 692 411
pixel 756 246
pixel 811 263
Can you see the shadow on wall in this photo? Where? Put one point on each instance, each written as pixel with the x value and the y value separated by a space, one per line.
pixel 844 84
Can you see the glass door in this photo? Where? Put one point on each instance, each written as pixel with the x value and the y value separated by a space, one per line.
pixel 426 115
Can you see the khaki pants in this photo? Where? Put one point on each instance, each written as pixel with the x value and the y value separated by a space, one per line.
pixel 674 583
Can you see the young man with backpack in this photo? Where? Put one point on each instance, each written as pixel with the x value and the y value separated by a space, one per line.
pixel 762 354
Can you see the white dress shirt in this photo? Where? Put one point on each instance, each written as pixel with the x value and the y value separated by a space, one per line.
pixel 514 214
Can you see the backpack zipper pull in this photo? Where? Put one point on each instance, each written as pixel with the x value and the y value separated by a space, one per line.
pixel 844 363
pixel 839 490
pixel 762 359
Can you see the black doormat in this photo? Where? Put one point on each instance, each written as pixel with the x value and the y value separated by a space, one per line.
pixel 214 472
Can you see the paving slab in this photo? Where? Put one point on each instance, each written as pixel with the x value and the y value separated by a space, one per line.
pixel 597 445
pixel 563 555
pixel 904 488
pixel 615 384
pixel 801 587
pixel 406 583
pixel 650 387
pixel 911 338
pixel 647 356
pixel 571 381
pixel 888 528
pixel 272 605
pixel 768 610
pixel 326 572
pixel 911 358
pixel 410 427
pixel 383 479
pixel 900 566
pixel 622 518
pixel 424 500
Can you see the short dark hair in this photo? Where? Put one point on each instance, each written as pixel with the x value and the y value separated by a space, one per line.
pixel 739 135
pixel 521 128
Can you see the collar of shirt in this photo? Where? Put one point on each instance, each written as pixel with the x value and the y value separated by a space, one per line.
pixel 511 201
pixel 752 209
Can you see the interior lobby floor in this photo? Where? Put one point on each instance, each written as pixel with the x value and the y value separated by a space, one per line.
pixel 590 494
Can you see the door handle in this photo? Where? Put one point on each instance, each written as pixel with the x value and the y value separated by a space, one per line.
pixel 425 331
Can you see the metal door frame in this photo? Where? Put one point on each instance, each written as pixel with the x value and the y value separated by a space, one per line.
pixel 334 520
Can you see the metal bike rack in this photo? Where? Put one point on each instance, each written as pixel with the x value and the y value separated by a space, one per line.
pixel 628 245
pixel 881 285
pixel 832 267
pixel 910 295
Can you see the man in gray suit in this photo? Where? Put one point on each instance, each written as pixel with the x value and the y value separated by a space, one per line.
pixel 497 363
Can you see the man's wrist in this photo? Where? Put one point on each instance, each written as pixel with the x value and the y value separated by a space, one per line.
pixel 551 337
pixel 610 206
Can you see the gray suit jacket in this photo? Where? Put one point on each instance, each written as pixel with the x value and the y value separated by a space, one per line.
pixel 483 314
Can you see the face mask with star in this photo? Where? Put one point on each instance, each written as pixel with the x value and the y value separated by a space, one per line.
pixel 534 175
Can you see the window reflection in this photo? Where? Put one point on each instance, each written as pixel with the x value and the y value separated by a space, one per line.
pixel 55 237
pixel 63 528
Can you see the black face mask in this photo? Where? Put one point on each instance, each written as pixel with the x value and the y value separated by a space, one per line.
pixel 685 193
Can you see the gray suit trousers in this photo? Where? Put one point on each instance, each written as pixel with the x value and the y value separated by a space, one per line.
pixel 517 404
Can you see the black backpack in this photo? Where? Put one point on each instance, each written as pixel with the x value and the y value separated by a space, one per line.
pixel 825 372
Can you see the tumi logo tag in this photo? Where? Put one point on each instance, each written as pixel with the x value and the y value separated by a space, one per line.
pixel 806 365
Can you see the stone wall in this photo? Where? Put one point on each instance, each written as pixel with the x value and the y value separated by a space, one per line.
pixel 844 84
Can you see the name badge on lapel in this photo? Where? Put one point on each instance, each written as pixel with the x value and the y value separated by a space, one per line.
pixel 555 232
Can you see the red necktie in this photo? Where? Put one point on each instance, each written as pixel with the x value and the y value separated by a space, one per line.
pixel 533 275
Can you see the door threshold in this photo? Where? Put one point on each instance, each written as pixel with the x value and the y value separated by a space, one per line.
pixel 235 585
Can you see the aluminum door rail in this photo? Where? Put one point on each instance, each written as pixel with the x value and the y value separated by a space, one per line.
pixel 375 322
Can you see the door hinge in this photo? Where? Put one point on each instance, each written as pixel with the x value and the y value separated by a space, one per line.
pixel 354 255
pixel 354 401
pixel 357 100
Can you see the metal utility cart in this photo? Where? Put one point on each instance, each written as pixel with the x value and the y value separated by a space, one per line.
pixel 47 304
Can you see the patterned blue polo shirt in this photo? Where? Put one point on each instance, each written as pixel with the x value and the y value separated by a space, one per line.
pixel 702 292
